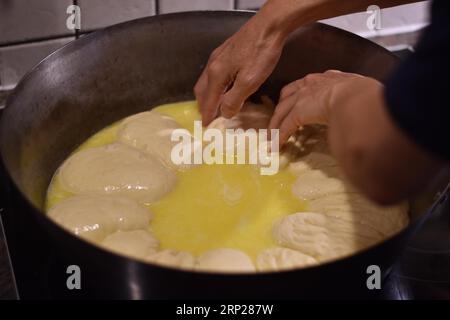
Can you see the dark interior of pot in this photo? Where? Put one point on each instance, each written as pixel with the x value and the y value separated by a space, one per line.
pixel 135 66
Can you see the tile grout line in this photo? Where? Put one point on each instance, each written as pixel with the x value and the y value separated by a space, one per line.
pixel 77 32
pixel 157 7
pixel 35 40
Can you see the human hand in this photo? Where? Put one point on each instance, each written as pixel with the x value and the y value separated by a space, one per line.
pixel 311 99
pixel 237 69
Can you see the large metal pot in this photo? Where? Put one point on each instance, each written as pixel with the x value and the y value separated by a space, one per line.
pixel 125 69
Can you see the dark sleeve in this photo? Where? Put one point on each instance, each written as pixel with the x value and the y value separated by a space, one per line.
pixel 418 92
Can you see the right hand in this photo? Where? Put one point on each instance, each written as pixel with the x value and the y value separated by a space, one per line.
pixel 237 69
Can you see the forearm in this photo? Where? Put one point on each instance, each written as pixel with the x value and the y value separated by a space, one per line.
pixel 377 156
pixel 284 16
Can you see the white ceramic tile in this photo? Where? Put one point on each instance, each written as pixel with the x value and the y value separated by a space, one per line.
pixel 250 4
pixel 166 6
pixel 101 13
pixel 22 20
pixel 401 19
pixel 16 60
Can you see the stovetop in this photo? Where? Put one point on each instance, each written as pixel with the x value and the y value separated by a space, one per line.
pixel 422 272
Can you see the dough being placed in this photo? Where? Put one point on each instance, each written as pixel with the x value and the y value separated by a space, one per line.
pixel 173 258
pixel 322 237
pixel 313 184
pixel 93 217
pixel 225 260
pixel 355 207
pixel 251 116
pixel 135 243
pixel 117 169
pixel 151 133
pixel 275 259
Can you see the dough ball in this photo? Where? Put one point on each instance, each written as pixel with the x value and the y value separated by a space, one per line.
pixel 135 243
pixel 251 116
pixel 117 169
pixel 322 237
pixel 313 184
pixel 275 259
pixel 313 160
pixel 151 133
pixel 173 258
pixel 93 217
pixel 222 124
pixel 355 207
pixel 225 260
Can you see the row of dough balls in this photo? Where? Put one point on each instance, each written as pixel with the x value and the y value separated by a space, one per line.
pixel 137 165
pixel 340 221
pixel 120 225
pixel 110 183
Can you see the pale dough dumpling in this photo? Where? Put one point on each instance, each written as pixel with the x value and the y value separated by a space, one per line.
pixel 173 258
pixel 355 207
pixel 275 259
pixel 135 243
pixel 225 260
pixel 313 160
pixel 313 184
pixel 251 116
pixel 322 237
pixel 94 217
pixel 117 169
pixel 151 132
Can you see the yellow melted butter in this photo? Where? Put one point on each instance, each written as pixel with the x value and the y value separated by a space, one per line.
pixel 212 206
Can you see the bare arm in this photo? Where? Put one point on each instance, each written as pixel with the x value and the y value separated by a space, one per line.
pixel 239 66
pixel 287 15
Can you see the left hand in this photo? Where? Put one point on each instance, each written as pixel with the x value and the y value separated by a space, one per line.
pixel 310 99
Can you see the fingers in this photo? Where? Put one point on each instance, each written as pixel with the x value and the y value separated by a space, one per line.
pixel 290 89
pixel 232 102
pixel 290 124
pixel 294 86
pixel 200 89
pixel 282 110
pixel 211 85
pixel 217 82
pixel 211 101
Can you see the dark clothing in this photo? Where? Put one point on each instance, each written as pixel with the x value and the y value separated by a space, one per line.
pixel 418 93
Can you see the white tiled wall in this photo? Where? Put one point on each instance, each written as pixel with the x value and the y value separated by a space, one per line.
pixel 101 13
pixel 29 19
pixel 16 60
pixel 166 6
pixel 401 19
pixel 249 4
pixel 44 22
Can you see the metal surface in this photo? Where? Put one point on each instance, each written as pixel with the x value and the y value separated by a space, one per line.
pixel 126 69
